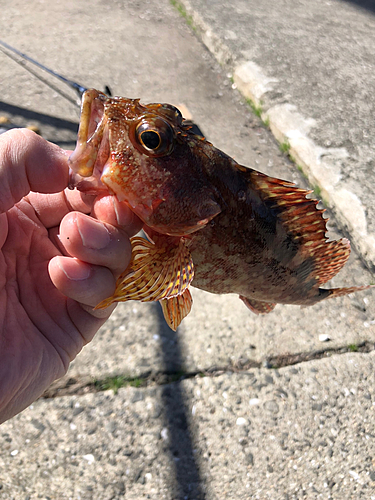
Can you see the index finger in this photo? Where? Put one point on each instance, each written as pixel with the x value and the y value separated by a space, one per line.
pixel 108 209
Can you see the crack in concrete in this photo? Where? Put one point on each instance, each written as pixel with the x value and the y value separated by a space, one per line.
pixel 86 384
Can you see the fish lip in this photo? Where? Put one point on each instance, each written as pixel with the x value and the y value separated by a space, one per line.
pixel 92 150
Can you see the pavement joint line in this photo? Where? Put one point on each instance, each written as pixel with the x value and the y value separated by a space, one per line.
pixel 320 165
pixel 85 384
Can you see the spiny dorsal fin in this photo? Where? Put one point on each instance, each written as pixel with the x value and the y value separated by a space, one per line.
pixel 300 215
pixel 329 258
pixel 305 223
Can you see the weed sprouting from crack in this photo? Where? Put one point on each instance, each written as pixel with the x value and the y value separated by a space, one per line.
pixel 256 108
pixel 266 121
pixel 353 347
pixel 116 382
pixel 181 9
pixel 317 191
pixel 285 147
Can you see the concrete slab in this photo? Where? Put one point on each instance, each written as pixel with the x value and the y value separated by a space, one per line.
pixel 298 431
pixel 219 332
pixel 308 66
pixel 303 431
pixel 136 57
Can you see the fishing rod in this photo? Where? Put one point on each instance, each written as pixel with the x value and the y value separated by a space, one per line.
pixel 80 89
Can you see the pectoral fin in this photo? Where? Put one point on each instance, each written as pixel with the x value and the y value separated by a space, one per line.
pixel 155 272
pixel 176 308
pixel 257 306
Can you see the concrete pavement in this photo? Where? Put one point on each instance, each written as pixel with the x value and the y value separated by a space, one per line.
pixel 299 432
pixel 308 68
pixel 210 418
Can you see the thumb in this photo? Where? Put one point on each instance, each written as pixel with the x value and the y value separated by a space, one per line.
pixel 29 163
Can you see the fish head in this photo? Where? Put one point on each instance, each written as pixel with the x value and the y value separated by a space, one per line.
pixel 147 156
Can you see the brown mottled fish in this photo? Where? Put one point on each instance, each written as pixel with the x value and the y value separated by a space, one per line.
pixel 210 222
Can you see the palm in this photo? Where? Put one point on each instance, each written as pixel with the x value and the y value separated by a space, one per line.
pixel 56 264
pixel 35 312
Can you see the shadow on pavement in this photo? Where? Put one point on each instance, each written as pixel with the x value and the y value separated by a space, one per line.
pixel 39 117
pixel 365 4
pixel 188 482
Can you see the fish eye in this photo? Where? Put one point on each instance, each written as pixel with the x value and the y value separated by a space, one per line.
pixel 150 139
pixel 154 137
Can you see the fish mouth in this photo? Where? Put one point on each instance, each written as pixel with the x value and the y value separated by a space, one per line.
pixel 92 150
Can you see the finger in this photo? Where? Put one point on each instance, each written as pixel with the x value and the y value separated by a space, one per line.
pixel 29 163
pixel 51 208
pixel 3 229
pixel 82 282
pixel 108 209
pixel 86 319
pixel 95 242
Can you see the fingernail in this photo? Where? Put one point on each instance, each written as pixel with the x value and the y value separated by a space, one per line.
pixel 74 270
pixel 124 215
pixel 93 234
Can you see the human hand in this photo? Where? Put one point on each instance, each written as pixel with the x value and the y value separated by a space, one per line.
pixel 56 265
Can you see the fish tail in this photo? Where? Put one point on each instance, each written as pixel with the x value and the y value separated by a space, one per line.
pixel 339 292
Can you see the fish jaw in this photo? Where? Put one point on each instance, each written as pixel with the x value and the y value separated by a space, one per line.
pixel 92 150
pixel 167 190
pixel 90 134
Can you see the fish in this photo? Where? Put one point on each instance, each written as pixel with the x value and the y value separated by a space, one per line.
pixel 209 221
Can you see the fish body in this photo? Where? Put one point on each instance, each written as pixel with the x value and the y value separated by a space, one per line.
pixel 211 222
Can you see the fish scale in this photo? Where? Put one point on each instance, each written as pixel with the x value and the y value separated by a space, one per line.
pixel 277 250
pixel 212 223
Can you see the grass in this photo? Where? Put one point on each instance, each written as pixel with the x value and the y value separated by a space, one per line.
pixel 285 147
pixel 177 376
pixel 115 383
pixel 181 9
pixel 353 347
pixel 266 121
pixel 317 191
pixel 257 109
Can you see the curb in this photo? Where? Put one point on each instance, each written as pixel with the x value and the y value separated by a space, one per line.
pixel 320 165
